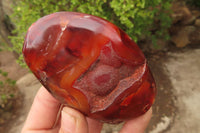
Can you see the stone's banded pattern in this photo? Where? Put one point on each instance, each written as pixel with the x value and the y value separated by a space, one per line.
pixel 90 64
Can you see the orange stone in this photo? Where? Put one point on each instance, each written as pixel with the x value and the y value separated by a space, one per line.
pixel 91 65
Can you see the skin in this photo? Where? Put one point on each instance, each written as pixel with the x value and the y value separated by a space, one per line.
pixel 45 117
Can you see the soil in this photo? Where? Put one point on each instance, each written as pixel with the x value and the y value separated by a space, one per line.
pixel 11 97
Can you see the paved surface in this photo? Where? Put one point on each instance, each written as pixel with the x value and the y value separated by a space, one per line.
pixel 177 106
pixel 29 86
pixel 184 73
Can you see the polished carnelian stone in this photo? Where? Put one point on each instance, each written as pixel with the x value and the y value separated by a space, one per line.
pixel 91 65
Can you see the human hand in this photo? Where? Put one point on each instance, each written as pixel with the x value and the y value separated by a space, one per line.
pixel 44 113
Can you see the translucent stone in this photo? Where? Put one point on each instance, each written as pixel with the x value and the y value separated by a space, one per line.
pixel 91 65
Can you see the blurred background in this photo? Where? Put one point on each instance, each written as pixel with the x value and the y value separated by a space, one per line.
pixel 167 31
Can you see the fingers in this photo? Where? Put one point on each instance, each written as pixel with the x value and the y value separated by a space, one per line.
pixel 43 113
pixel 73 121
pixel 137 125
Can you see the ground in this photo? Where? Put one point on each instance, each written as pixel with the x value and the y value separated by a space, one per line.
pixel 177 75
pixel 176 107
pixel 15 72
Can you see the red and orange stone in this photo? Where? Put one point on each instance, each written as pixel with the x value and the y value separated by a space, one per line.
pixel 91 65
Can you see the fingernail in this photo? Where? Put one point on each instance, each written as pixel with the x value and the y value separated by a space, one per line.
pixel 68 122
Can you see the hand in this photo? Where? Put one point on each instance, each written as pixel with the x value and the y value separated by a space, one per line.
pixel 43 118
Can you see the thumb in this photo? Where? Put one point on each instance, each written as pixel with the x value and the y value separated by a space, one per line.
pixel 73 121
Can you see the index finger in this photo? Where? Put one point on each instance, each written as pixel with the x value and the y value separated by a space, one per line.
pixel 43 113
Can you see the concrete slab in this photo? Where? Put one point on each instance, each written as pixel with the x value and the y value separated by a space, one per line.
pixel 29 86
pixel 180 114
